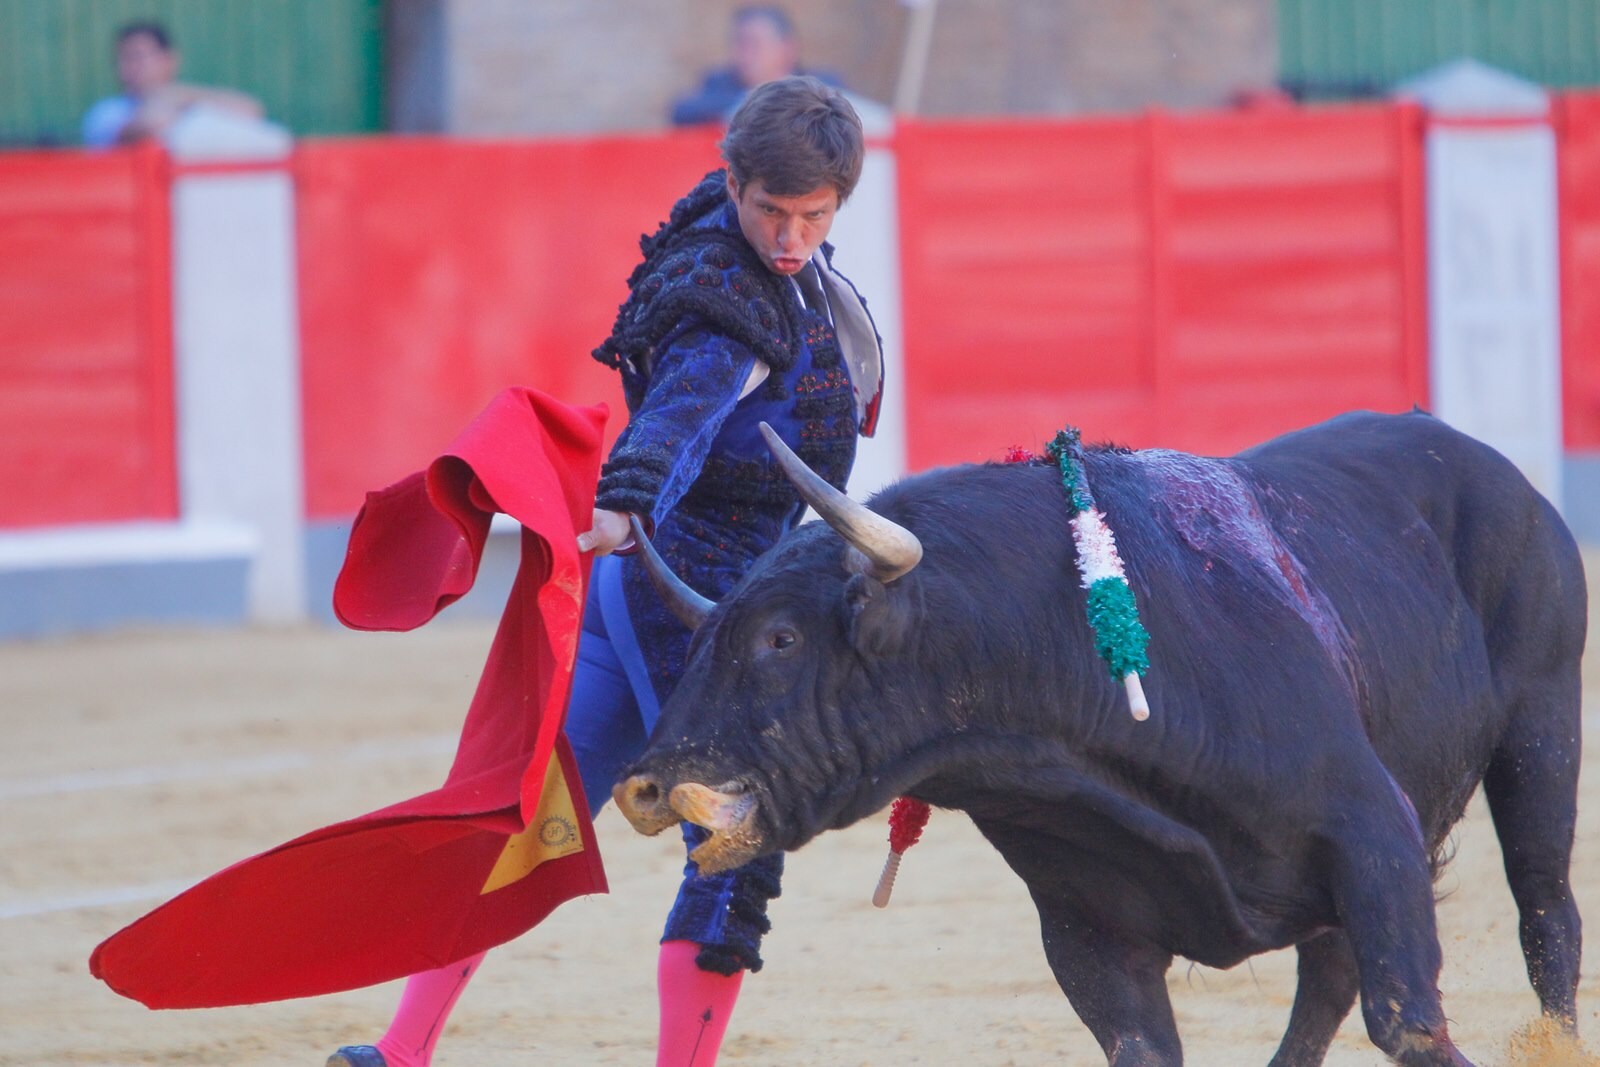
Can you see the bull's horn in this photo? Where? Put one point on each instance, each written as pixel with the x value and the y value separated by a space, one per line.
pixel 890 548
pixel 689 606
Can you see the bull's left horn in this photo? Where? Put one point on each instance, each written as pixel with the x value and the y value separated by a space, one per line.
pixel 689 606
pixel 890 548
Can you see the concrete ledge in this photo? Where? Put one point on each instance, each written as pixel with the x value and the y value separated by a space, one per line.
pixel 87 578
pixel 1580 491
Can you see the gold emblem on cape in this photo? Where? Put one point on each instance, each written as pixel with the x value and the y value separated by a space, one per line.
pixel 550 834
pixel 555 831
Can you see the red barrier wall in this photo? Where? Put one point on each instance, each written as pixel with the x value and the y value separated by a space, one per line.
pixel 86 410
pixel 1202 281
pixel 434 273
pixel 1578 132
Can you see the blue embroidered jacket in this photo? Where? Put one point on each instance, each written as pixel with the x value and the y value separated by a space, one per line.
pixel 702 310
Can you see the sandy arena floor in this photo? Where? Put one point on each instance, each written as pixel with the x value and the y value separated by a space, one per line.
pixel 133 765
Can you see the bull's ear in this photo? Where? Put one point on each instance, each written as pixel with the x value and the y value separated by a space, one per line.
pixel 878 618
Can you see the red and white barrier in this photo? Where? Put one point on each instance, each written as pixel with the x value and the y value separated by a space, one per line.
pixel 235 348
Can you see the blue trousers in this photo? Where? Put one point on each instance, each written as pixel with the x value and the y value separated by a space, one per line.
pixel 612 711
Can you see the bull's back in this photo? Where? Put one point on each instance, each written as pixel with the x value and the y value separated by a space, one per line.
pixel 1410 483
pixel 1461 587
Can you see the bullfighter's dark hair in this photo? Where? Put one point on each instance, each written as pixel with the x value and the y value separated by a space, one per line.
pixel 795 135
pixel 150 28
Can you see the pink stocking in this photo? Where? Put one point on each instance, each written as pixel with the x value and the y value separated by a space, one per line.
pixel 424 1008
pixel 695 1007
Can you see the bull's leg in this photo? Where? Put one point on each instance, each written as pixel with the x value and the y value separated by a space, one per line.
pixel 1532 787
pixel 1326 991
pixel 1384 895
pixel 1118 989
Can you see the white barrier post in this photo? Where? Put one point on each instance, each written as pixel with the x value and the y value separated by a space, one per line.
pixel 1493 263
pixel 236 347
pixel 867 235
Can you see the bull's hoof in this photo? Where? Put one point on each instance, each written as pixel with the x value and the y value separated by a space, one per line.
pixel 357 1056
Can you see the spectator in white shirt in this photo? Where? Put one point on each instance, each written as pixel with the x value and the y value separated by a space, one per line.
pixel 152 98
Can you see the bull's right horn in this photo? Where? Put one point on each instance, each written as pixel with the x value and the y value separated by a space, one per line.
pixel 689 606
pixel 890 548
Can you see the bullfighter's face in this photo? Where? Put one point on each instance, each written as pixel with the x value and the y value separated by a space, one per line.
pixel 785 231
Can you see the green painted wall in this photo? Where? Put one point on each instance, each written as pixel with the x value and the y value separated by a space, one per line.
pixel 315 64
pixel 1344 47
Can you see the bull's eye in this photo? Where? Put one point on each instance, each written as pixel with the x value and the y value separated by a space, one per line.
pixel 778 640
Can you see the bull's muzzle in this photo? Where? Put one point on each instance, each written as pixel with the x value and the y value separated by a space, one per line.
pixel 728 812
pixel 644 804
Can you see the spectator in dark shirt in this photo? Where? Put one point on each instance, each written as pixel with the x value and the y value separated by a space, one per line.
pixel 762 48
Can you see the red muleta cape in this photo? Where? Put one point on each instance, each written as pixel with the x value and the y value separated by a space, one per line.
pixel 507 838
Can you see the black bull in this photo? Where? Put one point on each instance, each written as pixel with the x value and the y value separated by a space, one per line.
pixel 1351 627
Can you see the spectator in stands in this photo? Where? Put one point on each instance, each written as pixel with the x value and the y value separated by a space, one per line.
pixel 762 48
pixel 152 98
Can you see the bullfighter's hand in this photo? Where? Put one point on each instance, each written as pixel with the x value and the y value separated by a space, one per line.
pixel 610 532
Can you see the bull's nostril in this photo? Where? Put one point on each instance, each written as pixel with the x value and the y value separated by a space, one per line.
pixel 641 798
pixel 639 792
